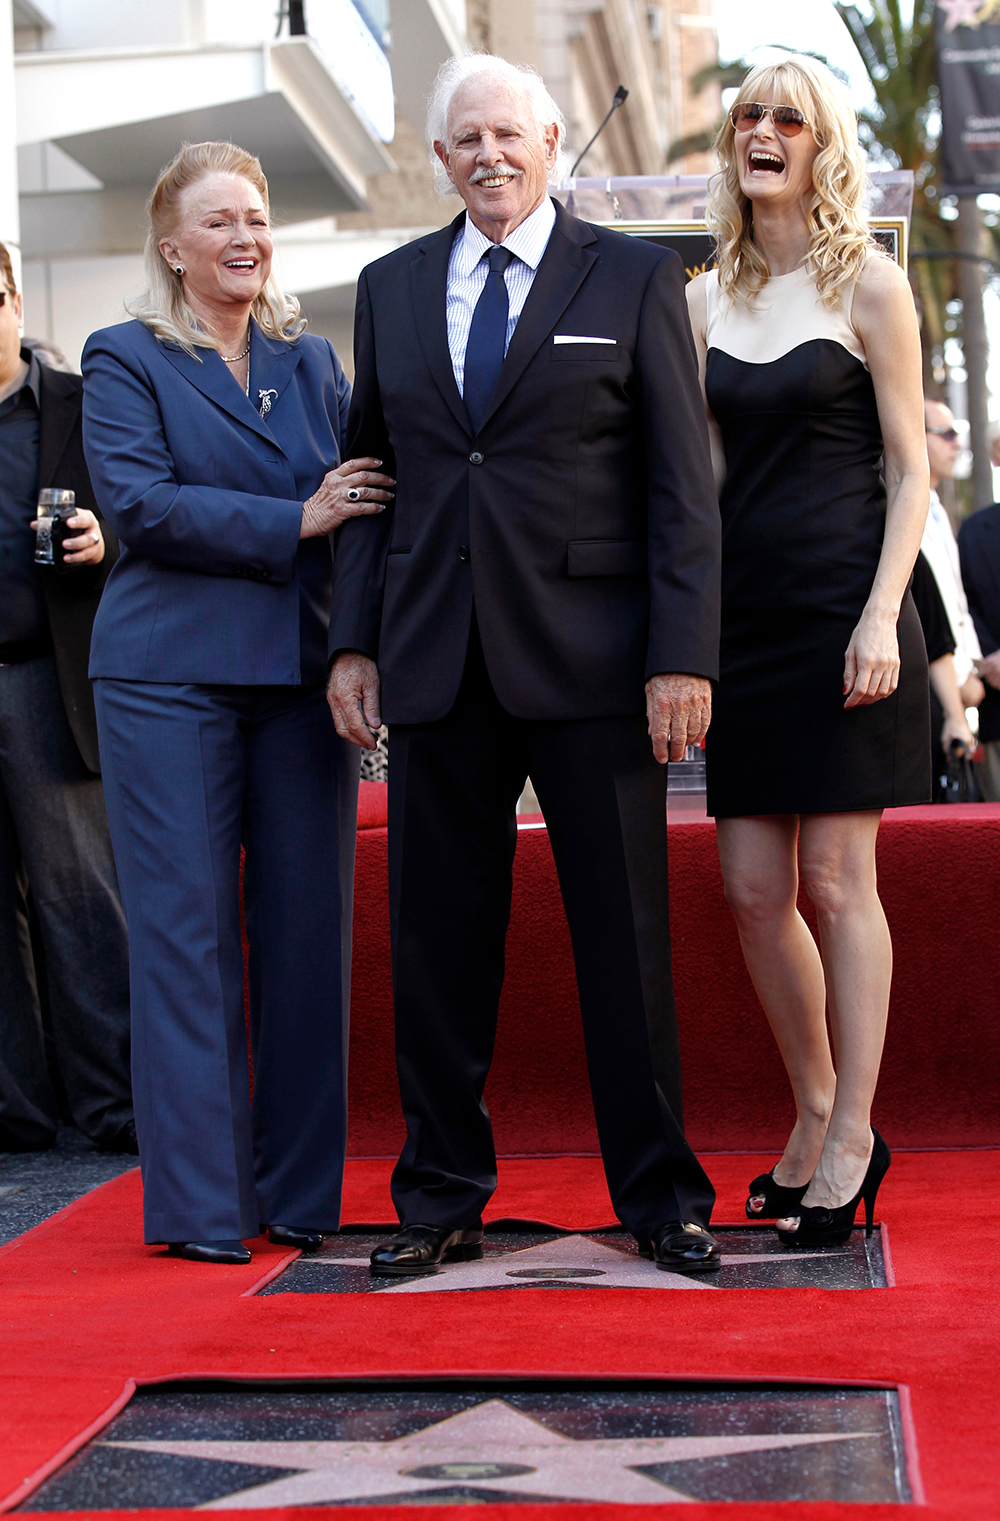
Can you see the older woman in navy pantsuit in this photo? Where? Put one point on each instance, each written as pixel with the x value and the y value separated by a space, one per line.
pixel 213 430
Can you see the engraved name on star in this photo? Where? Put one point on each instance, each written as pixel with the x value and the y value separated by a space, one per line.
pixel 492 1446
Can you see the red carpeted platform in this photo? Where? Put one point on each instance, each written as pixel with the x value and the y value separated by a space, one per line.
pixel 86 1311
pixel 86 1308
pixel 939 877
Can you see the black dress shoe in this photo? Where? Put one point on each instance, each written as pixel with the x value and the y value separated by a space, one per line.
pixel 295 1236
pixel 422 1249
pixel 125 1141
pixel 680 1246
pixel 232 1252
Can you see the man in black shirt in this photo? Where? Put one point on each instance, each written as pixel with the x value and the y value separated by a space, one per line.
pixel 948 720
pixel 54 843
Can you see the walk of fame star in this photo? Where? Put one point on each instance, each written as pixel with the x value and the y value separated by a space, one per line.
pixel 960 13
pixel 568 1260
pixel 492 1446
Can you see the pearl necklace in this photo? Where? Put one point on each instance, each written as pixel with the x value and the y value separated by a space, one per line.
pixel 235 358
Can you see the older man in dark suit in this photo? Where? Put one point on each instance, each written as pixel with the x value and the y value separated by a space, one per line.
pixel 53 827
pixel 541 597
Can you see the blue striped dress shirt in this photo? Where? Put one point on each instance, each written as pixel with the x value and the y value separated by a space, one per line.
pixel 467 271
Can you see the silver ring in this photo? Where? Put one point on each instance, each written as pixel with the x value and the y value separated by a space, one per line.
pixel 354 495
pixel 96 537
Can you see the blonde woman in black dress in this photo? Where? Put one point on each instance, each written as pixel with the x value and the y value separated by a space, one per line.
pixel 811 362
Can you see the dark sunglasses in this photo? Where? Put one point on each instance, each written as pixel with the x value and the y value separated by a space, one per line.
pixel 788 120
pixel 3 296
pixel 950 435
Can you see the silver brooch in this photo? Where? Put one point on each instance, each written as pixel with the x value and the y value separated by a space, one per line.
pixel 265 401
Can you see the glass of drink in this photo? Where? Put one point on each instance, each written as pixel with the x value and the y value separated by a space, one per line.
pixel 54 507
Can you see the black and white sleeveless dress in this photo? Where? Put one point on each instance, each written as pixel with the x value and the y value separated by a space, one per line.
pixel 803 514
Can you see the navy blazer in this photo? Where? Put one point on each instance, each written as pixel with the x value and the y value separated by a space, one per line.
pixel 213 583
pixel 581 519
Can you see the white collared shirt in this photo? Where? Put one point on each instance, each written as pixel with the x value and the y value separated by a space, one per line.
pixel 940 550
pixel 468 268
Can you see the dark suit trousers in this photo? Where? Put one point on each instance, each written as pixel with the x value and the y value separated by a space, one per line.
pixel 191 772
pixel 453 789
pixel 54 842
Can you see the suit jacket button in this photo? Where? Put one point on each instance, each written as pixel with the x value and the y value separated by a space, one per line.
pixel 475 458
pixel 463 552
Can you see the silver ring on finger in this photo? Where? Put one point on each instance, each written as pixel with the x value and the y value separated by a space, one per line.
pixel 96 538
pixel 354 495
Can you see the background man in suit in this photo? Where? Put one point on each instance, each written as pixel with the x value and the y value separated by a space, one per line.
pixel 53 827
pixel 940 549
pixel 979 554
pixel 543 587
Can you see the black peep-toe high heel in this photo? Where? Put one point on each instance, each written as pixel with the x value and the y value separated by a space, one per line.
pixel 832 1227
pixel 779 1201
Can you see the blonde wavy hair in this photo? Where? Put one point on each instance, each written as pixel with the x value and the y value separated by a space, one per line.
pixel 162 306
pixel 840 241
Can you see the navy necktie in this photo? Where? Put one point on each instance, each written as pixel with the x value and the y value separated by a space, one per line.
pixel 484 352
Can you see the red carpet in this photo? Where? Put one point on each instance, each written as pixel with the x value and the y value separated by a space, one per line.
pixel 85 1307
pixel 939 876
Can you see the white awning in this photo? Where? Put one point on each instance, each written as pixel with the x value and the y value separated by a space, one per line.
pixel 123 113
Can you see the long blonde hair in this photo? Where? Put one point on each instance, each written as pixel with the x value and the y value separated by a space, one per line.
pixel 162 306
pixel 840 240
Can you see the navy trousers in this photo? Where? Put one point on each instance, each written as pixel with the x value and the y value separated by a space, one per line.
pixel 190 772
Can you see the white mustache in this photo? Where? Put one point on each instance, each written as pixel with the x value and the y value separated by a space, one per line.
pixel 487 174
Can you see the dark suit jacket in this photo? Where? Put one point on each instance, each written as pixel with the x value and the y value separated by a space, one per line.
pixel 71 596
pixel 979 554
pixel 213 583
pixel 581 518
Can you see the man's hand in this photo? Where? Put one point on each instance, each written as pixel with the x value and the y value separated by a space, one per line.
pixel 679 711
pixel 353 695
pixel 86 544
pixel 989 669
pixel 956 727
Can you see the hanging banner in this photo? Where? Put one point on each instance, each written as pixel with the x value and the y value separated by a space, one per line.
pixel 967 34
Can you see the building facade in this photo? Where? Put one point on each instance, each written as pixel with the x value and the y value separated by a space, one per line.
pixel 586 49
pixel 103 92
pixel 98 94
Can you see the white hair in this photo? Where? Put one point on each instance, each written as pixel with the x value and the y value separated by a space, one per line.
pixel 455 71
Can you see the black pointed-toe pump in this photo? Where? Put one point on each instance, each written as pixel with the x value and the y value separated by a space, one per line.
pixel 832 1227
pixel 779 1201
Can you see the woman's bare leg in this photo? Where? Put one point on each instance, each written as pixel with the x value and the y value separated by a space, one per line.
pixel 760 872
pixel 838 873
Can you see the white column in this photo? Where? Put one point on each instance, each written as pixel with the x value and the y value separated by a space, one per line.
pixel 10 221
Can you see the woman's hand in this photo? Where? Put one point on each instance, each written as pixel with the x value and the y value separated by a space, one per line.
pixel 328 507
pixel 871 666
pixel 86 546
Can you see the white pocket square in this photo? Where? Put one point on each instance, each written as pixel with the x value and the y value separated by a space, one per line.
pixel 575 338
